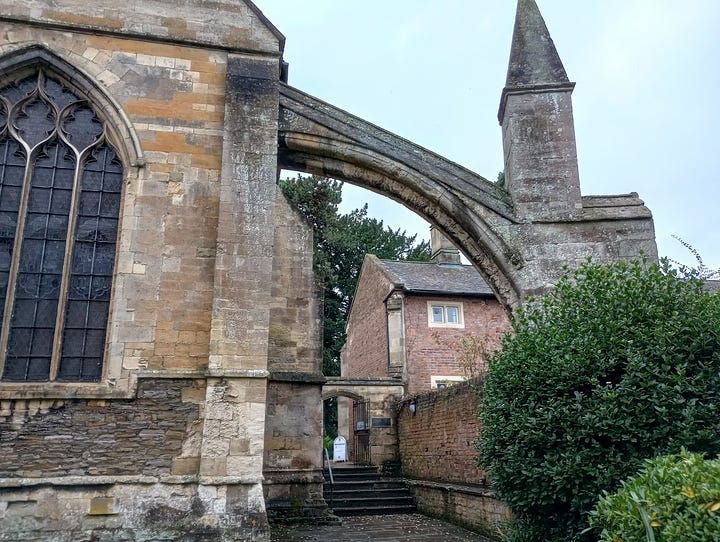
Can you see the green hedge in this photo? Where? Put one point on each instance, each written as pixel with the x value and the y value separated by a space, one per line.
pixel 617 364
pixel 676 498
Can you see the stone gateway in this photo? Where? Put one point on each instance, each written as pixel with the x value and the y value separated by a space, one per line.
pixel 160 349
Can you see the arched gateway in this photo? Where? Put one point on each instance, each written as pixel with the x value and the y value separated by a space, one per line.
pixel 197 411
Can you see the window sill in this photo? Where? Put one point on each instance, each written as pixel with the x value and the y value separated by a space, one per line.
pixel 122 389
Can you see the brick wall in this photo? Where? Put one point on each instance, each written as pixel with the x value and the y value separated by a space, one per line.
pixel 437 450
pixel 433 350
pixel 441 433
pixel 367 344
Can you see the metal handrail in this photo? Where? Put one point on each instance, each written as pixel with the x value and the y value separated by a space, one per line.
pixel 332 480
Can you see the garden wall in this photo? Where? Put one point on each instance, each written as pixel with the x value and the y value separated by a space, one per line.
pixel 437 450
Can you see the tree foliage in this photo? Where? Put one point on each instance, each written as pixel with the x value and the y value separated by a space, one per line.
pixel 341 243
pixel 675 498
pixel 618 363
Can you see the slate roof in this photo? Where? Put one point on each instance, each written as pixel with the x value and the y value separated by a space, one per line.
pixel 712 285
pixel 439 279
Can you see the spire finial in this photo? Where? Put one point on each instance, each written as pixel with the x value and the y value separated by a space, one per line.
pixel 534 61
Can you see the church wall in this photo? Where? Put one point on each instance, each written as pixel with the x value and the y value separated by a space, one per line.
pixel 293 460
pixel 168 445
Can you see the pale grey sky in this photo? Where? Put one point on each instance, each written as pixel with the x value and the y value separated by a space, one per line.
pixel 646 108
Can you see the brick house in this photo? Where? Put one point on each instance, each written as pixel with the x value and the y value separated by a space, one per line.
pixel 407 319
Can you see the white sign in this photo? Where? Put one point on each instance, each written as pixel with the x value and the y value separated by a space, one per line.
pixel 340 449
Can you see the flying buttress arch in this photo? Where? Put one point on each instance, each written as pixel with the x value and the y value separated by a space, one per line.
pixel 316 137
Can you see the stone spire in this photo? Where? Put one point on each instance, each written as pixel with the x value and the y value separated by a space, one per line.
pixel 541 171
pixel 534 61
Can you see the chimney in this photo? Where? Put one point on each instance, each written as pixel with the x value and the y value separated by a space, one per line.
pixel 443 251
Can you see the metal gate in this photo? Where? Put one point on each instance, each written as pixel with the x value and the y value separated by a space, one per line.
pixel 361 425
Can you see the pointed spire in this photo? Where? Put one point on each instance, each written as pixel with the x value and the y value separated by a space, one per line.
pixel 534 61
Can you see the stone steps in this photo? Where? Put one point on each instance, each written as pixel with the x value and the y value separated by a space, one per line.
pixel 363 491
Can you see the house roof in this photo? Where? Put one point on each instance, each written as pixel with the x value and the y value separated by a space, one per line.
pixel 712 285
pixel 433 278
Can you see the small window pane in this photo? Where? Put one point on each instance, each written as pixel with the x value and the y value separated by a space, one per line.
pixel 38 369
pixel 107 230
pixel 89 203
pixel 15 369
pixel 49 286
pixel 39 201
pixel 10 200
pixel 54 257
pixel 57 227
pixel 98 314
pixel 19 343
pixel 42 342
pixel 452 315
pixel 437 315
pixel 70 369
pixel 46 312
pixel 73 342
pixel 60 204
pixel 110 206
pixel 104 259
pixel 75 314
pixel 24 312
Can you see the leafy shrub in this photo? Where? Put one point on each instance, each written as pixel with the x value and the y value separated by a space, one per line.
pixel 618 363
pixel 676 498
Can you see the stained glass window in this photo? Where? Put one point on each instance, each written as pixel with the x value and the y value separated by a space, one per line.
pixel 60 189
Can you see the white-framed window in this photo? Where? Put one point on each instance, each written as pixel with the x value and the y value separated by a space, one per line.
pixel 445 314
pixel 440 382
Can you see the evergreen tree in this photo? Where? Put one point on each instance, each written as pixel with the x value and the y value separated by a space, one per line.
pixel 341 243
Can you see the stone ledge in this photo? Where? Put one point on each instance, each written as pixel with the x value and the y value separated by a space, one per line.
pixel 299 377
pixel 341 381
pixel 10 483
pixel 475 490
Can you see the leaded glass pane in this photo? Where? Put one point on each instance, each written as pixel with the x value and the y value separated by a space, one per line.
pixel 82 127
pixel 12 170
pixel 88 300
pixel 38 108
pixel 17 91
pixel 40 267
pixel 59 93
pixel 35 120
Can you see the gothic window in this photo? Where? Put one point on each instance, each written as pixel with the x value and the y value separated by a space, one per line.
pixel 60 189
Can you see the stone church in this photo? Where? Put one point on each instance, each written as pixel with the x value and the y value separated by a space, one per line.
pixel 161 339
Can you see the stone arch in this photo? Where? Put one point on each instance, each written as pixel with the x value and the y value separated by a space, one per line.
pixel 341 393
pixel 316 137
pixel 122 132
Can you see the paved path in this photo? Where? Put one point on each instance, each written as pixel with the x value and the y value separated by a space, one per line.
pixel 393 528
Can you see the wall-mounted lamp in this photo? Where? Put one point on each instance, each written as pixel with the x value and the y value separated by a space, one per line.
pixel 412 406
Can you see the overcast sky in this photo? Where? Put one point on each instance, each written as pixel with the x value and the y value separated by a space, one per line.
pixel 646 104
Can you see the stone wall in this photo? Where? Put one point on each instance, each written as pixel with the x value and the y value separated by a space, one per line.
pixel 170 444
pixel 437 450
pixel 292 465
pixel 382 394
pixel 76 469
pixel 153 435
